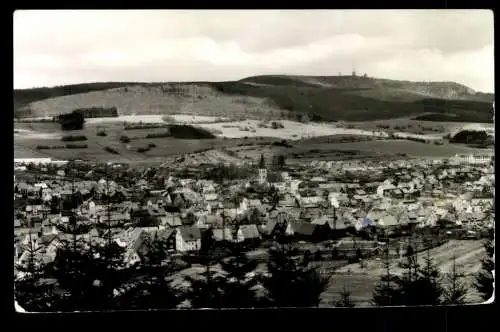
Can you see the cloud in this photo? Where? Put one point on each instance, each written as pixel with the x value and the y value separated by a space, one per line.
pixel 57 47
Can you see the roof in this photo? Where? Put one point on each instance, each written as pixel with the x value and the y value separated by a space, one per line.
pixel 217 233
pixel 388 220
pixel 189 233
pixel 295 225
pixel 269 228
pixel 306 229
pixel 254 202
pixel 210 197
pixel 367 222
pixel 164 234
pixel 47 238
pixel 250 231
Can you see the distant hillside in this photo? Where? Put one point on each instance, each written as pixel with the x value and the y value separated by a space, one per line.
pixel 348 98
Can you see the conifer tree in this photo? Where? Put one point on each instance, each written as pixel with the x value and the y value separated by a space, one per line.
pixel 419 285
pixel 30 291
pixel 385 290
pixel 455 292
pixel 237 290
pixel 484 278
pixel 404 292
pixel 289 283
pixel 205 290
pixel 345 300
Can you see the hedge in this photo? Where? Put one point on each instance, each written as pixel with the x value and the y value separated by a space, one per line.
pixel 73 138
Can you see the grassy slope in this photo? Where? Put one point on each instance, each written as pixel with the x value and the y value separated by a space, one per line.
pixel 330 98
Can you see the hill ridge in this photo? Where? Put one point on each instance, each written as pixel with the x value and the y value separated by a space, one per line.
pixel 321 97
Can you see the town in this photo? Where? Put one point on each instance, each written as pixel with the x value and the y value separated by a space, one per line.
pixel 331 216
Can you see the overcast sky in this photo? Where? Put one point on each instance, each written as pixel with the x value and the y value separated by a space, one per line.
pixel 67 47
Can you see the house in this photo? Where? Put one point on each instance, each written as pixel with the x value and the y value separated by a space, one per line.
pixel 309 232
pixel 274 229
pixel 223 234
pixel 166 236
pixel 292 227
pixel 248 234
pixel 247 204
pixel 210 197
pixel 281 187
pixel 310 202
pixel 187 238
pixel 382 190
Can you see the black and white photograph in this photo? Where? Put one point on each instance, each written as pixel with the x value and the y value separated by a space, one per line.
pixel 248 159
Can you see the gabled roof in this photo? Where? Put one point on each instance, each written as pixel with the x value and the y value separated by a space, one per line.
pixel 388 220
pixel 306 229
pixel 295 225
pixel 164 234
pixel 189 233
pixel 217 234
pixel 250 231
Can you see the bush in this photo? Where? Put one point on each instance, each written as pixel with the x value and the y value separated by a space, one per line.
pixel 42 147
pixel 416 139
pixel 151 145
pixel 129 126
pixel 98 112
pixel 277 125
pixel 282 143
pixel 124 139
pixel 189 132
pixel 76 146
pixel 71 121
pixel 111 150
pixel 168 119
pixel 142 150
pixel 158 135
pixel 73 138
pixel 101 133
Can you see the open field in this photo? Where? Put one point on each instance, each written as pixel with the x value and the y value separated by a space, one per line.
pixel 416 127
pixel 306 141
pixel 468 255
pixel 164 99
pixel 361 281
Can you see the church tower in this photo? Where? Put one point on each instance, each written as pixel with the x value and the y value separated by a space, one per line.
pixel 262 175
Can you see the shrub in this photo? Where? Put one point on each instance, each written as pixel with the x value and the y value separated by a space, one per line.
pixel 97 112
pixel 124 139
pixel 130 126
pixel 158 135
pixel 42 147
pixel 168 119
pixel 151 145
pixel 101 133
pixel 142 150
pixel 111 150
pixel 73 138
pixel 71 121
pixel 189 132
pixel 76 146
pixel 282 143
pixel 277 125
